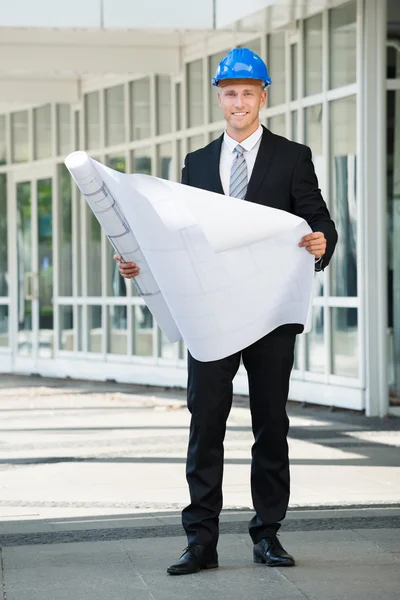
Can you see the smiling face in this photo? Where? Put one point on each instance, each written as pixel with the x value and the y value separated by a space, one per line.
pixel 241 100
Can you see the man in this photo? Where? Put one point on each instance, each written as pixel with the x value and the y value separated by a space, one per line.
pixel 251 163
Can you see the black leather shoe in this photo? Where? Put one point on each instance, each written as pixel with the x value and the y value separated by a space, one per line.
pixel 270 552
pixel 194 558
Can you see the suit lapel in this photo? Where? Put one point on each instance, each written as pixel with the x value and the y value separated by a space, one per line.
pixel 262 164
pixel 214 179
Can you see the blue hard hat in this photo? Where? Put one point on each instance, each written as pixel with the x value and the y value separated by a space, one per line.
pixel 242 63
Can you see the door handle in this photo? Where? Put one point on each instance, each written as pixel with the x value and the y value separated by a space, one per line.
pixel 28 286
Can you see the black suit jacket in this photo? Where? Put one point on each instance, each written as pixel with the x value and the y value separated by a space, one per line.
pixel 283 177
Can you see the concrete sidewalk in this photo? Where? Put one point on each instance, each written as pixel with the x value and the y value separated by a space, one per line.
pixel 92 482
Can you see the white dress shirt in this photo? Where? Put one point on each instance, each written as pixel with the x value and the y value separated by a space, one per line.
pixel 251 146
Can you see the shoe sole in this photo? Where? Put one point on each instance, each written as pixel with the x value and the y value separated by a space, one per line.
pixel 262 561
pixel 179 572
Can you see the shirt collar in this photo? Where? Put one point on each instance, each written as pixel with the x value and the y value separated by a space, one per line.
pixel 248 144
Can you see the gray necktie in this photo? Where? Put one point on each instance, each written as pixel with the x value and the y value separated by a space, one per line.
pixel 238 181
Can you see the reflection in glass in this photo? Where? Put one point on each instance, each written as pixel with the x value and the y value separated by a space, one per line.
pixel 277 124
pixel 277 67
pixel 393 237
pixel 295 70
pixel 164 104
pixel 3 236
pixel 195 82
pixel 213 62
pixel 393 39
pixel 65 211
pixel 345 342
pixel 295 129
pixel 118 332
pixel 67 335
pixel 42 131
pixel 4 325
pixel 64 133
pixel 343 44
pixel 195 143
pixel 95 321
pixel 20 136
pixel 115 115
pixel 3 144
pixel 165 161
pixel 313 139
pixel 315 353
pixel 140 109
pixel 313 55
pixel 92 120
pixel 25 270
pixel 116 162
pixel 143 331
pixel 343 198
pixel 93 255
pixel 45 258
pixel 141 161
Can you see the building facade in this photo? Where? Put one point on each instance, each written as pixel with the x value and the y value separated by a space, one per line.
pixel 335 66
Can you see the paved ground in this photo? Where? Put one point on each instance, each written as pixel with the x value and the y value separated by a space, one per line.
pixel 92 482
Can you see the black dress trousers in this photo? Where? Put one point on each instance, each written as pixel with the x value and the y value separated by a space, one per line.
pixel 268 363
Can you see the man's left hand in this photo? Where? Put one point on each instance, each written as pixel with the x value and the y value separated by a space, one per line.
pixel 314 243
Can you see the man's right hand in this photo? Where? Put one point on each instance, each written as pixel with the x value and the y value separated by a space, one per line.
pixel 127 270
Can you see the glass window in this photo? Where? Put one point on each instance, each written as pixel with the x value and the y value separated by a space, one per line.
pixel 294 54
pixel 345 342
pixel 164 105
pixel 196 142
pixel 140 109
pixel 95 321
pixel 393 238
pixel 4 325
pixel 143 331
pixel 141 161
pixel 20 136
pixel 178 106
pixel 24 268
pixel 63 129
pixel 67 336
pixel 45 250
pixel 277 124
pixel 213 62
pixel 165 161
pixel 343 45
pixel 42 129
pixel 3 141
pixel 195 82
pixel 313 138
pixel 277 68
pixel 77 125
pixel 65 212
pixel 295 128
pixel 315 347
pixel 118 330
pixel 343 197
pixel 313 55
pixel 3 236
pixel 393 39
pixel 92 120
pixel 116 162
pixel 214 135
pixel 93 255
pixel 115 115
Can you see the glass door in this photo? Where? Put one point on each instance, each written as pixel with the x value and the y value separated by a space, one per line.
pixel 34 271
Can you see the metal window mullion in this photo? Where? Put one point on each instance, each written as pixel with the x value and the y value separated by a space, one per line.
pixel 35 269
pixel 288 86
pixel 8 139
pixel 153 106
pixel 31 134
